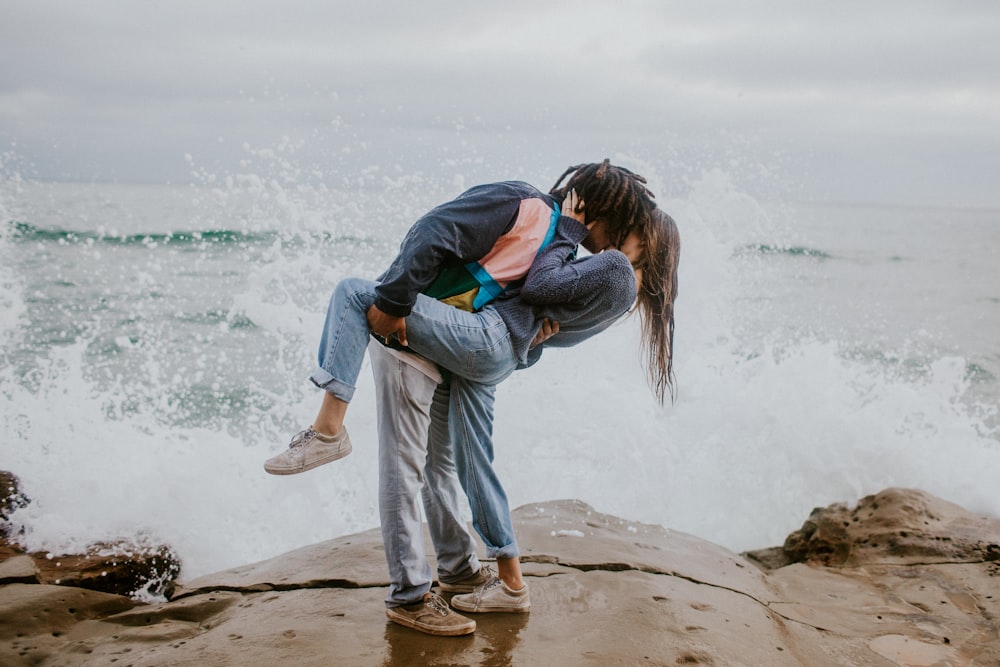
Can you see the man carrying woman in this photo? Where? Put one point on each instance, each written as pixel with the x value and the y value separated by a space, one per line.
pixel 434 433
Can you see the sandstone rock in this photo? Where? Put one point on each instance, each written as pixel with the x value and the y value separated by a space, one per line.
pixel 36 622
pixel 355 561
pixel 895 526
pixel 19 569
pixel 604 590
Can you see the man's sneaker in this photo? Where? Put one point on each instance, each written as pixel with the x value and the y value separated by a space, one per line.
pixel 471 582
pixel 307 450
pixel 494 596
pixel 432 616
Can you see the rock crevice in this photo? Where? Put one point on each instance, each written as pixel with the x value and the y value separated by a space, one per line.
pixel 903 578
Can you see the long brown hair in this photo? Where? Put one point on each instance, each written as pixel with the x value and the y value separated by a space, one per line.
pixel 620 198
pixel 657 292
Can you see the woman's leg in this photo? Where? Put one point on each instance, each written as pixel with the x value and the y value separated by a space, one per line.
pixel 509 569
pixel 330 419
pixel 472 345
pixel 475 346
pixel 470 423
pixel 341 350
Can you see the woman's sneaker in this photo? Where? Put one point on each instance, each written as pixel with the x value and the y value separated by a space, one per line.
pixel 494 595
pixel 308 450
pixel 432 616
pixel 470 583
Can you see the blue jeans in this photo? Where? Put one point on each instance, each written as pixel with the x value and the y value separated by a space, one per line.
pixel 475 349
pixel 462 415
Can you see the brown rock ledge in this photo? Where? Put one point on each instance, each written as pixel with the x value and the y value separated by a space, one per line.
pixel 850 588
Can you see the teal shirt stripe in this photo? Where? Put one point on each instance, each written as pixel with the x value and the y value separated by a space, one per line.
pixel 489 289
pixel 553 223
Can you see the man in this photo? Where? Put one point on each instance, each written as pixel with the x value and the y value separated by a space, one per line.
pixel 415 469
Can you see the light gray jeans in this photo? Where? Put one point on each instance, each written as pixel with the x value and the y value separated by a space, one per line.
pixel 414 468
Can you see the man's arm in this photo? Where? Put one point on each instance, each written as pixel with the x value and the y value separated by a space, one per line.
pixel 456 232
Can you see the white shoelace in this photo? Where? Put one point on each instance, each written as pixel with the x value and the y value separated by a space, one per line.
pixel 487 586
pixel 301 438
pixel 437 604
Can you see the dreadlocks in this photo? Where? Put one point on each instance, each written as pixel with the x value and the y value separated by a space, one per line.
pixel 611 193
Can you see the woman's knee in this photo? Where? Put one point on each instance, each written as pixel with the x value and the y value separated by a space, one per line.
pixel 351 285
pixel 355 290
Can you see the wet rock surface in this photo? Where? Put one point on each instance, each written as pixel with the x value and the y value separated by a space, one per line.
pixel 604 590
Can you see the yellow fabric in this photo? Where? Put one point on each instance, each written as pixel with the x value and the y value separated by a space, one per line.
pixel 462 301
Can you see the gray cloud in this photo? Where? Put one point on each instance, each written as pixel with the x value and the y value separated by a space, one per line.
pixel 835 94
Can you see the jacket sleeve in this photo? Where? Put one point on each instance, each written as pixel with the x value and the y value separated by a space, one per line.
pixel 460 231
pixel 601 282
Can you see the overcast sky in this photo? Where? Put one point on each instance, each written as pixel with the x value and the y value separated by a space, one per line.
pixel 886 101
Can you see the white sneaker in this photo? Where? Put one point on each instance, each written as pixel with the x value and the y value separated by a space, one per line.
pixel 494 596
pixel 308 450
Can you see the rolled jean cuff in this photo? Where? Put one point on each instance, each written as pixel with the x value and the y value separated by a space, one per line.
pixel 327 382
pixel 509 551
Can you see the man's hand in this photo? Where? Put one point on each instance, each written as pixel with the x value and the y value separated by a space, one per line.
pixel 549 329
pixel 386 325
